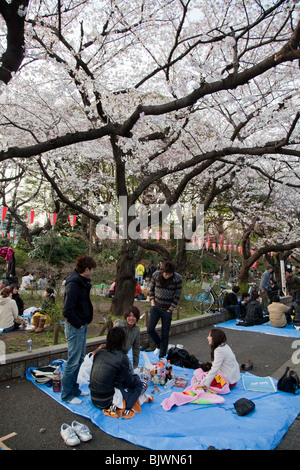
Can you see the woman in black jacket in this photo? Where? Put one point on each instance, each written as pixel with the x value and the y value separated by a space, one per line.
pixel 14 289
pixel 111 368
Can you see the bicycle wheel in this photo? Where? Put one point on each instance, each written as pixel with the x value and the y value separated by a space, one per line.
pixel 203 301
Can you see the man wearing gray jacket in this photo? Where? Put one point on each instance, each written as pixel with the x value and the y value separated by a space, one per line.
pixel 265 287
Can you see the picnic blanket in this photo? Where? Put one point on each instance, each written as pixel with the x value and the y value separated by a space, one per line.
pixel 288 330
pixel 193 426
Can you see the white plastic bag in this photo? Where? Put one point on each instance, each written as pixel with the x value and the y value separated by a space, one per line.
pixel 85 370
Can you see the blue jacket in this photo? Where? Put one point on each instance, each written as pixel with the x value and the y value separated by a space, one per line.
pixel 78 308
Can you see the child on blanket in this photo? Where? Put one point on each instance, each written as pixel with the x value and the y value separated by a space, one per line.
pixel 223 359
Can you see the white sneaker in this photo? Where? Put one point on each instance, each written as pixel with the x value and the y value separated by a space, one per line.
pixel 82 431
pixel 69 436
pixel 75 401
pixel 83 394
pixel 156 351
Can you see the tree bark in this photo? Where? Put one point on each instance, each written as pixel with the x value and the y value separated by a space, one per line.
pixel 125 281
pixel 13 56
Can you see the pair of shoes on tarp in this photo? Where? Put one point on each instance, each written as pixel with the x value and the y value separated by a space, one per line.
pixel 74 434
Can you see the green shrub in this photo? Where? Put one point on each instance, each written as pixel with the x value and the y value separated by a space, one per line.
pixel 56 249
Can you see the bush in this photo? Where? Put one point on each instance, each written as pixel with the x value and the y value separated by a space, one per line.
pixel 56 249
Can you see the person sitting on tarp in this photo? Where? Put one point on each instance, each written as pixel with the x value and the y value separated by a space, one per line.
pixel 9 317
pixel 231 302
pixel 292 284
pixel 42 317
pixel 279 313
pixel 132 331
pixel 275 289
pixel 245 299
pixel 254 312
pixel 111 369
pixel 223 359
pixel 296 313
pixel 138 295
pixel 14 289
pixel 27 280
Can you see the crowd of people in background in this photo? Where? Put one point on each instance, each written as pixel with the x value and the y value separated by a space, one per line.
pixel 12 304
pixel 264 304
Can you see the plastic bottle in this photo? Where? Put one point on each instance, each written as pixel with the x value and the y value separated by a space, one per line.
pixel 57 381
pixel 168 371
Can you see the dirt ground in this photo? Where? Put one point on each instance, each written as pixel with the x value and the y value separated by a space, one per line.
pixel 16 341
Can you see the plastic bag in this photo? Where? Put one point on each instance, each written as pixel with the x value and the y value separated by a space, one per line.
pixel 85 369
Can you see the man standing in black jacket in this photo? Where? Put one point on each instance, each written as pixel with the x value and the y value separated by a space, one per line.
pixel 78 312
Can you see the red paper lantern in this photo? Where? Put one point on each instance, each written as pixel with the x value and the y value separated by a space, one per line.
pixel 52 218
pixel 157 235
pixel 145 234
pixel 3 211
pixel 166 236
pixel 72 220
pixel 30 216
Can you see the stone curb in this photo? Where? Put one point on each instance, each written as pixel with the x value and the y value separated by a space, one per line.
pixel 16 364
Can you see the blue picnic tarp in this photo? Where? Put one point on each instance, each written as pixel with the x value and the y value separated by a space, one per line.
pixel 196 427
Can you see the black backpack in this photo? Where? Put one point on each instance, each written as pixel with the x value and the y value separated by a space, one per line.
pixel 180 357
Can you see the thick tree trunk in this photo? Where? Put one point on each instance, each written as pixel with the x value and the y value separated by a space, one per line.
pixel 125 281
pixel 181 261
pixel 244 272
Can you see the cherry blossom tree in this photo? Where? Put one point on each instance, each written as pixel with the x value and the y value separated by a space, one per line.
pixel 266 214
pixel 150 96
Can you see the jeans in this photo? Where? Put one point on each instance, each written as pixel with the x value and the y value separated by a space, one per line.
pixel 235 309
pixel 76 338
pixel 131 394
pixel 157 314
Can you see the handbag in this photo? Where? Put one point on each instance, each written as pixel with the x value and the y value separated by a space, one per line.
pixel 289 382
pixel 243 406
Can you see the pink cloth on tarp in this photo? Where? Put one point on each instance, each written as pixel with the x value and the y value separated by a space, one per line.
pixel 194 393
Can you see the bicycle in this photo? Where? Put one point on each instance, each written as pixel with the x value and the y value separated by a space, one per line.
pixel 208 296
pixel 253 288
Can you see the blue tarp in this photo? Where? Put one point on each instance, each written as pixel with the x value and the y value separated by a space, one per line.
pixel 288 330
pixel 196 427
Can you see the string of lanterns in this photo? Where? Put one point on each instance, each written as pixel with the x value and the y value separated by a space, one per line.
pixel 206 243
pixel 30 218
